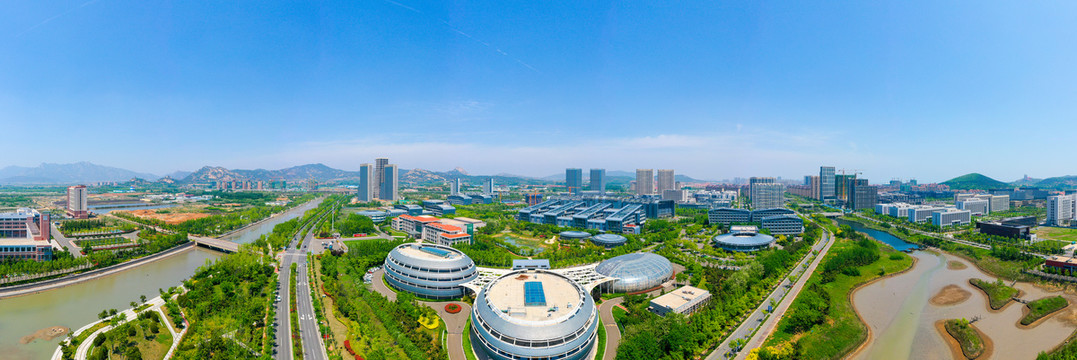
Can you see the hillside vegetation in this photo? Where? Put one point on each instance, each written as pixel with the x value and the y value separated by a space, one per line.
pixel 974 181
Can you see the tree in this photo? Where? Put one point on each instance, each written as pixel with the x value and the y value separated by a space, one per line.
pixel 143 298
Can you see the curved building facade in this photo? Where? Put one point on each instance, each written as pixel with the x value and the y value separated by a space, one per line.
pixel 534 314
pixel 574 235
pixel 635 272
pixel 429 271
pixel 609 240
pixel 744 240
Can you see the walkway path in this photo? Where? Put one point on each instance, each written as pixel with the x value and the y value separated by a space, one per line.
pixel 613 332
pixel 68 243
pixel 757 318
pixel 83 349
pixel 454 326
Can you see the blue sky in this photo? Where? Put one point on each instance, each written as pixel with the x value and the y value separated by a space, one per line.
pixel 922 89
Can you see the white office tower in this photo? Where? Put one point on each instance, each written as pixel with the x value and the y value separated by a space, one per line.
pixel 666 180
pixel 379 175
pixel 488 187
pixel 644 181
pixel 1060 209
pixel 454 187
pixel 390 183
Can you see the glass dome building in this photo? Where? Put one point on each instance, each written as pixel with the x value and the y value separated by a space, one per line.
pixel 534 314
pixel 429 271
pixel 609 240
pixel 635 272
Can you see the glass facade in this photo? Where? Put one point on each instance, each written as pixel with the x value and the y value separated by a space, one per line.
pixel 635 272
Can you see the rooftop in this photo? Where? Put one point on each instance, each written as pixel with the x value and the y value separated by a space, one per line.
pixel 430 252
pixel 420 218
pixel 508 295
pixel 679 297
pixel 445 227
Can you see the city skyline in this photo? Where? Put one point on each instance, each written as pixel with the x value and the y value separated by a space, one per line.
pixel 728 90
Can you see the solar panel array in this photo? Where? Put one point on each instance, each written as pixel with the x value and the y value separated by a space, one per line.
pixel 435 251
pixel 533 294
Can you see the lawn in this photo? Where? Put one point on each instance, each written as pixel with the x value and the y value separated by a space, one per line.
pixel 842 331
pixel 998 294
pixel 1056 233
pixel 601 340
pixel 468 351
pixel 971 343
pixel 1039 308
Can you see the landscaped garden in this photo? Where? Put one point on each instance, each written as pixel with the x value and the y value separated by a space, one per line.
pixel 998 294
pixel 1038 309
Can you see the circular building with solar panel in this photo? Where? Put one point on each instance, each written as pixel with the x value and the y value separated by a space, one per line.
pixel 743 239
pixel 574 235
pixel 635 272
pixel 534 314
pixel 429 271
pixel 609 240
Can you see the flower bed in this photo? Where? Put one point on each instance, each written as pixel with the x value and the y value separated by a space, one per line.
pixel 453 308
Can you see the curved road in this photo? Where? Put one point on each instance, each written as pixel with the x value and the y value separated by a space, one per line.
pixel 613 332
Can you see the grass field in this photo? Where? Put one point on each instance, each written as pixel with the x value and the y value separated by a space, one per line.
pixel 467 341
pixel 103 242
pixel 842 331
pixel 971 343
pixel 1043 307
pixel 1054 233
pixel 998 294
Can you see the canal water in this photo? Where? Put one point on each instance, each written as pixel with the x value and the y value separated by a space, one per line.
pixel 77 305
pixel 882 236
pixel 902 319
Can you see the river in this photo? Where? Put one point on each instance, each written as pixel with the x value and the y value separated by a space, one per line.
pixel 902 319
pixel 77 305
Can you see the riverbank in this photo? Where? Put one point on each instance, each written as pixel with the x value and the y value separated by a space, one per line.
pixel 27 289
pixel 900 311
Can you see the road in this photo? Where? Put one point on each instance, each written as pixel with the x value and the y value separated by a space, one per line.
pixel 309 331
pixel 758 316
pixel 613 333
pixel 65 241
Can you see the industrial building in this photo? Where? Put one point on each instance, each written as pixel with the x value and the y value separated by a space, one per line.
pixel 743 239
pixel 685 301
pixel 781 221
pixel 534 314
pixel 636 272
pixel 430 271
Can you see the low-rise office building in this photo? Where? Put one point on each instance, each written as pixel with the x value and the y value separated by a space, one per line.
pixel 951 217
pixel 24 235
pixel 921 213
pixel 429 271
pixel 412 225
pixel 976 206
pixel 1001 229
pixel 787 224
pixel 686 300
pixel 445 234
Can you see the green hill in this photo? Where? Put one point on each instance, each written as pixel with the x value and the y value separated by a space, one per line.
pixel 1067 182
pixel 974 181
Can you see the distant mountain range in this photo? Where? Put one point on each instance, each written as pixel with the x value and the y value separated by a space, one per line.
pixel 80 172
pixel 976 181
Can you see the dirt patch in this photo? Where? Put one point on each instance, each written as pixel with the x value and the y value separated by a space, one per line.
pixel 172 218
pixel 951 295
pixel 955 265
pixel 45 334
pixel 955 347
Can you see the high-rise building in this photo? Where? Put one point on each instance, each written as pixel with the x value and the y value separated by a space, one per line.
pixel 765 193
pixel 77 202
pixel 390 183
pixel 379 170
pixel 815 185
pixel 644 181
pixel 842 185
pixel 862 195
pixel 666 180
pixel 826 183
pixel 1060 209
pixel 574 180
pixel 367 183
pixel 598 180
pixel 488 186
pixel 454 187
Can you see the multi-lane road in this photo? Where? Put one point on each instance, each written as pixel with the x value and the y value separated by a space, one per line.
pixel 309 332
